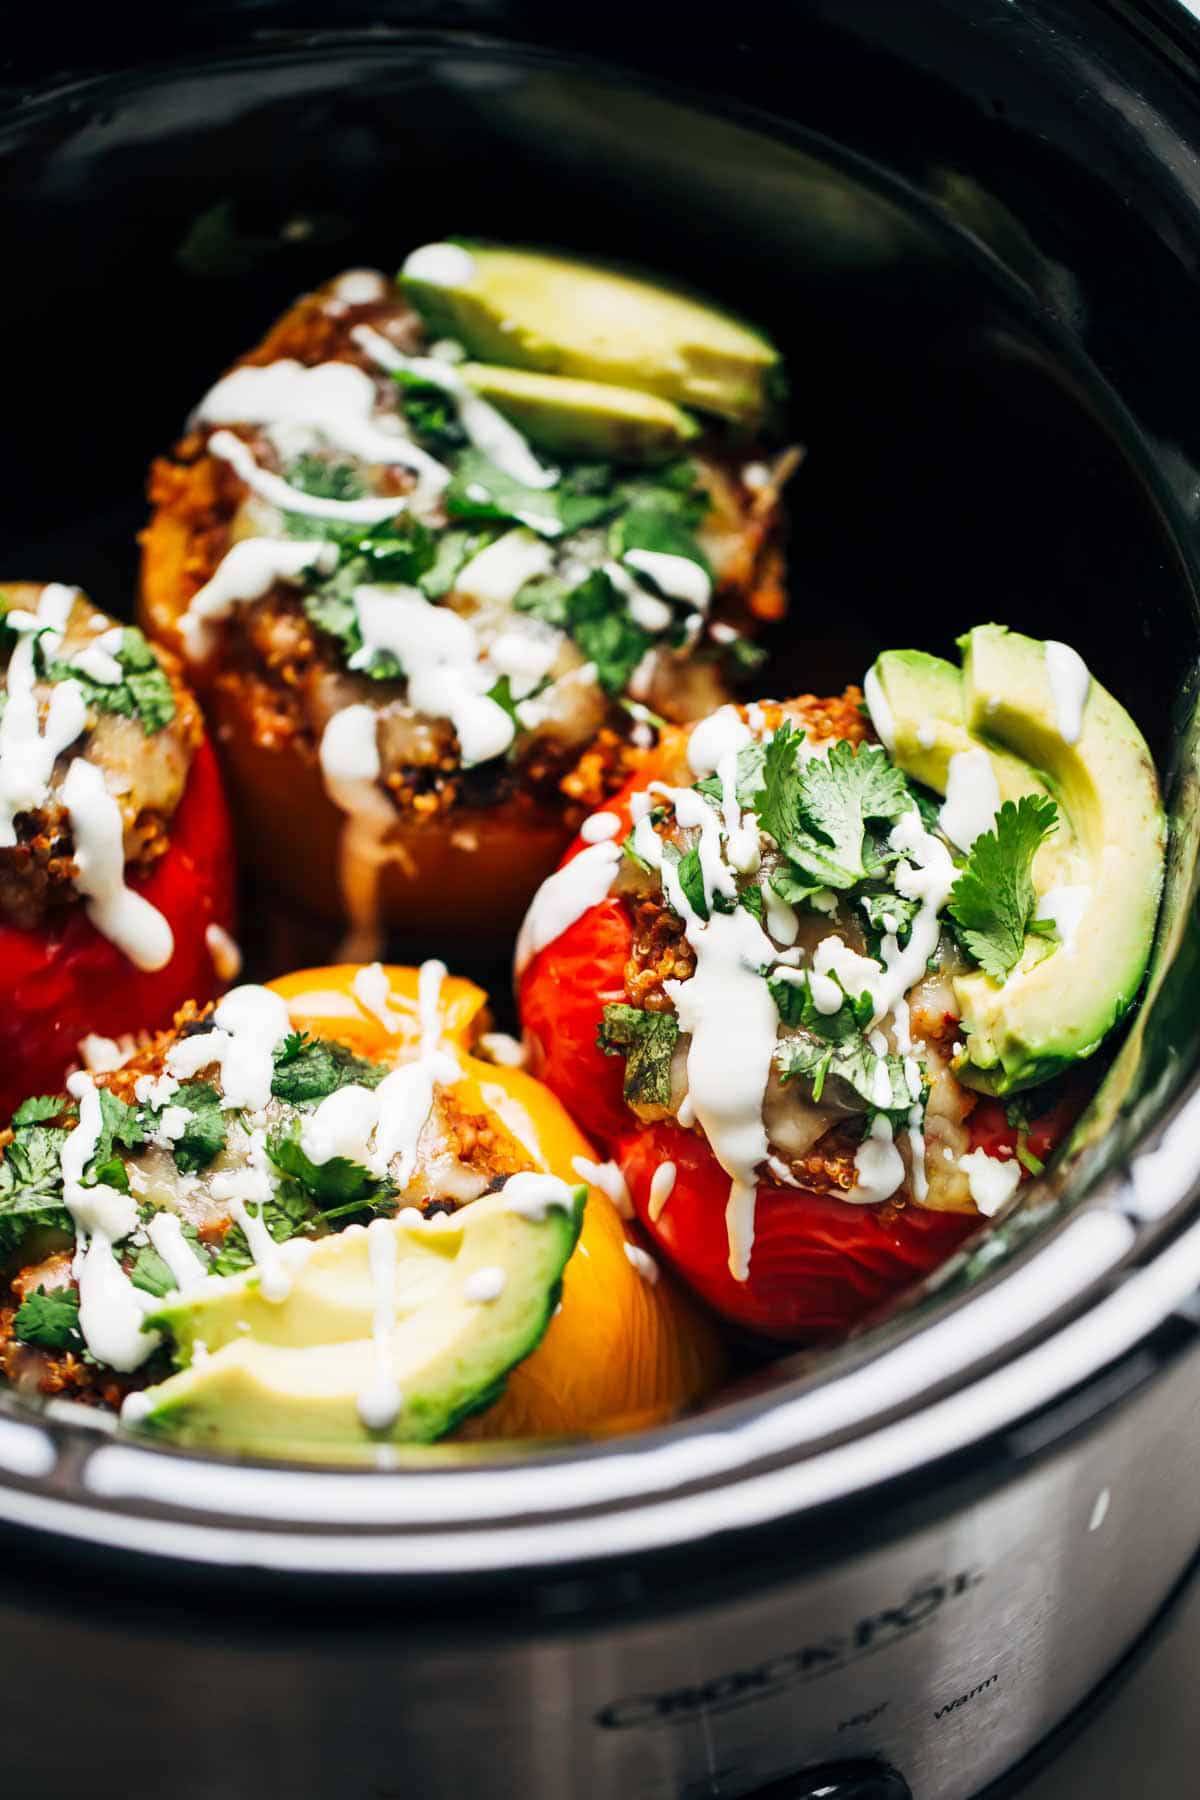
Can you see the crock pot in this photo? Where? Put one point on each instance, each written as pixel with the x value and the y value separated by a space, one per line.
pixel 974 225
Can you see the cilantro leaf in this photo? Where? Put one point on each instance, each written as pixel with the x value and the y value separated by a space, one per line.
pixel 749 776
pixel 818 808
pixel 691 879
pixel 37 1109
pixel 656 522
pixel 144 691
pixel 337 1188
pixel 204 1136
pixel 121 1126
pixel 50 1320
pixel 326 478
pixel 150 1272
pixel 309 1069
pixel 993 902
pixel 31 1184
pixel 479 490
pixel 647 1042
pixel 431 411
pixel 795 1006
pixel 452 551
pixel 889 913
pixel 599 621
pixel 866 1081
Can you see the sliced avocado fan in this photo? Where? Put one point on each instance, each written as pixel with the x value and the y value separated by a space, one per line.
pixel 530 309
pixel 438 1313
pixel 1010 699
pixel 569 417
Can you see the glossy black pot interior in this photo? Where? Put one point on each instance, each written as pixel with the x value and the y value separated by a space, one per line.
pixel 986 302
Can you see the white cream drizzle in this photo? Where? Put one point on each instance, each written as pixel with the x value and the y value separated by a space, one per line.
pixel 1066 906
pixel 98 660
pixel 877 1166
pixel 564 897
pixel 247 572
pixel 111 1309
pixel 249 1024
pixel 496 575
pixel 350 768
pixel 882 717
pixel 487 428
pixel 335 401
pixel 599 827
pixel 713 738
pixel 972 797
pixel 28 751
pixel 676 576
pixel 224 951
pixel 643 1263
pixel 440 265
pixel 608 1178
pixel 127 919
pixel 372 510
pixel 380 1401
pixel 1070 680
pixel 662 1186
pixel 483 1286
pixel 438 651
pixel 165 1231
pixel 532 1195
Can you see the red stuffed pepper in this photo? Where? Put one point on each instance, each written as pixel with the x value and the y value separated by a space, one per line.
pixel 116 874
pixel 762 977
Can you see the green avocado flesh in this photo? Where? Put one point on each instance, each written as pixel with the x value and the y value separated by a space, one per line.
pixel 532 310
pixel 569 417
pixel 1056 1008
pixel 285 1377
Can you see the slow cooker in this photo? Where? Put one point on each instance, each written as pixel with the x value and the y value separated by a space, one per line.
pixel 975 227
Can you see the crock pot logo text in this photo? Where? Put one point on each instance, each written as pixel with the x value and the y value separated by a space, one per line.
pixel 740 1686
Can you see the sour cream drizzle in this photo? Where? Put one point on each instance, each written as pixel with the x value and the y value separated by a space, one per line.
pixel 564 897
pixel 350 767
pixel 372 510
pixel 972 797
pixel 111 1309
pixel 335 401
pixel 379 1403
pixel 1070 681
pixel 27 757
pixel 486 428
pixel 247 572
pixel 127 919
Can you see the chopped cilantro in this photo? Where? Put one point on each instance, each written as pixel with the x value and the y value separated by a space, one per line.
pixel 818 809
pixel 337 1188
pixel 50 1320
pixel 38 1109
pixel 690 874
pixel 851 1062
pixel 121 1126
pixel 143 693
pixel 599 621
pixel 751 897
pixel 547 598
pixel 889 913
pixel 431 411
pixel 656 521
pixel 326 479
pixel 453 550
pixel 309 1069
pixel 204 1135
pixel 479 490
pixel 501 692
pixel 153 1275
pixel 795 1006
pixel 31 1183
pixel 647 1042
pixel 993 902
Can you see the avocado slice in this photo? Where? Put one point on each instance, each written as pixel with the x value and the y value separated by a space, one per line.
pixel 473 1292
pixel 569 417
pixel 1054 1009
pixel 531 309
